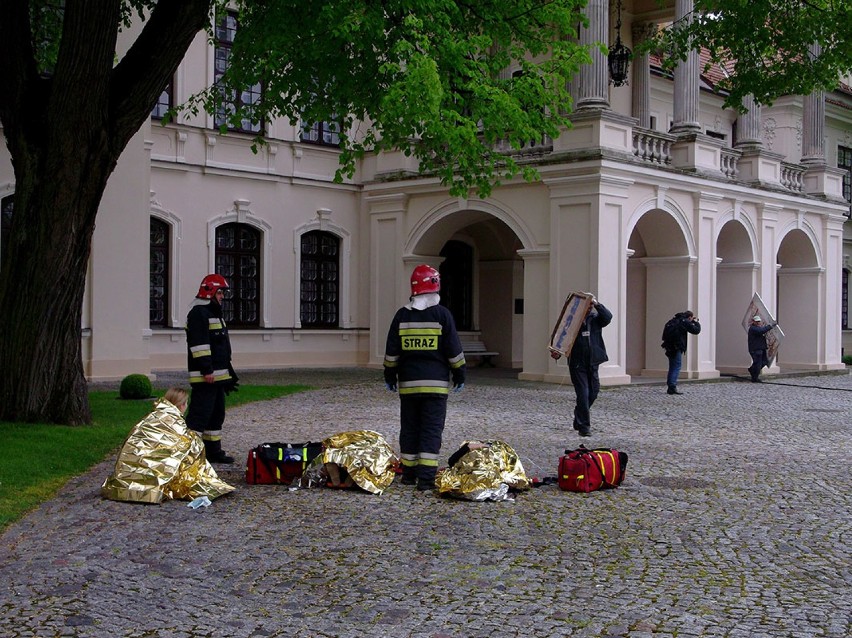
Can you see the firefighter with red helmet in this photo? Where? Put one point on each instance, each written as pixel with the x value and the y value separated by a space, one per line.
pixel 211 375
pixel 423 351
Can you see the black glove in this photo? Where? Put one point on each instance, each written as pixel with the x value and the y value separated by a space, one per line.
pixel 232 383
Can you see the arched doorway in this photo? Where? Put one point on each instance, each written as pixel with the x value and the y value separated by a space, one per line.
pixel 659 284
pixel 798 301
pixel 736 281
pixel 482 279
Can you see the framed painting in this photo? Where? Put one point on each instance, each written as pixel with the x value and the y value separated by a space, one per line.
pixel 775 336
pixel 570 320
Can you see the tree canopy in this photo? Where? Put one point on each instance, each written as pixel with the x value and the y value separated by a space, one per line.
pixel 770 48
pixel 80 77
pixel 427 77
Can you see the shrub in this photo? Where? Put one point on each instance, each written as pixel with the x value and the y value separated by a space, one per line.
pixel 135 386
pixel 847 359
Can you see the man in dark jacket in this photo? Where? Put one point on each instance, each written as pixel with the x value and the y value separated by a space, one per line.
pixel 423 350
pixel 209 362
pixel 587 353
pixel 757 347
pixel 674 343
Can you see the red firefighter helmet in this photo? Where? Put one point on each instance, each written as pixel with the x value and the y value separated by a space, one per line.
pixel 424 280
pixel 209 285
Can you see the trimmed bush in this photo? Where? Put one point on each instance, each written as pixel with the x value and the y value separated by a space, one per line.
pixel 135 386
pixel 847 359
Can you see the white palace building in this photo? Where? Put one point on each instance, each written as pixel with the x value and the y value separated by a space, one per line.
pixel 657 200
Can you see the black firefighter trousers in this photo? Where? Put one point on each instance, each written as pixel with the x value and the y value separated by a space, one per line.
pixel 422 420
pixel 206 415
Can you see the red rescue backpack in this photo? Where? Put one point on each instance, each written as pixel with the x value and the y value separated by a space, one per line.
pixel 584 470
pixel 279 463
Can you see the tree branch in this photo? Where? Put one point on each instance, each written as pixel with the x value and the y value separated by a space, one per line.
pixel 151 61
pixel 18 72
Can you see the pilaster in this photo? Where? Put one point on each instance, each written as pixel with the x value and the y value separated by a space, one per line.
pixel 701 359
pixel 387 277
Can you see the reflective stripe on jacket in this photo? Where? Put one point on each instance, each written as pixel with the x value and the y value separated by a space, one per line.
pixel 423 350
pixel 208 344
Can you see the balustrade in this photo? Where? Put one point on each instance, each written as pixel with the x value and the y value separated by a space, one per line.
pixel 793 177
pixel 729 159
pixel 652 146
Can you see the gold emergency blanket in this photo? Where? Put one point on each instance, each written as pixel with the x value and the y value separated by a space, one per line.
pixel 487 472
pixel 364 454
pixel 163 459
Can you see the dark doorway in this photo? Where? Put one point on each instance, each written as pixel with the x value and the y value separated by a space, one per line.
pixel 457 282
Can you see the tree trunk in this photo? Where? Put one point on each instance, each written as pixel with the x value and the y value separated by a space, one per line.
pixel 43 280
pixel 65 131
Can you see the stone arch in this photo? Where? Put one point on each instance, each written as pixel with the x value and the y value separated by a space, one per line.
pixel 803 254
pixel 672 209
pixel 464 212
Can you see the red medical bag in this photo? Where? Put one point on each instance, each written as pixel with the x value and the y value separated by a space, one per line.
pixel 279 463
pixel 584 470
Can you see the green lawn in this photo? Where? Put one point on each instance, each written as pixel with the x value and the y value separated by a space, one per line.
pixel 37 459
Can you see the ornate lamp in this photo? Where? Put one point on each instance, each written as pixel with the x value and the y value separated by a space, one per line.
pixel 619 55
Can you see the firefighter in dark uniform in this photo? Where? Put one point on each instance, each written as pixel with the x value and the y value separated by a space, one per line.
pixel 423 351
pixel 211 375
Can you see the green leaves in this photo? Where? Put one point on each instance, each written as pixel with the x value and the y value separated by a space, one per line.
pixel 431 77
pixel 767 47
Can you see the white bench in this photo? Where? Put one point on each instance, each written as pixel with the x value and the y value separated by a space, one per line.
pixel 478 349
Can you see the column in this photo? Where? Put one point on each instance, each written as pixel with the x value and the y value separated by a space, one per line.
pixel 686 78
pixel 593 89
pixel 813 123
pixel 748 124
pixel 642 75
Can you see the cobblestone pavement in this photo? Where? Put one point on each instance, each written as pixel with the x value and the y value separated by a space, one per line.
pixel 735 520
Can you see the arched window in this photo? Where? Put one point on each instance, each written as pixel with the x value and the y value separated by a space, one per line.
pixel 159 288
pixel 238 261
pixel 6 205
pixel 319 280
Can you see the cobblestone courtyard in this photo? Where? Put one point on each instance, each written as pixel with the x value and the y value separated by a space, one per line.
pixel 735 520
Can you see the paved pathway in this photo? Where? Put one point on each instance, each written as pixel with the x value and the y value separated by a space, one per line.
pixel 735 520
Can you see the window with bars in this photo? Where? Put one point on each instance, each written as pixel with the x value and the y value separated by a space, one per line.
pixel 164 102
pixel 325 133
pixel 158 293
pixel 226 31
pixel 320 280
pixel 844 301
pixel 844 160
pixel 238 261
